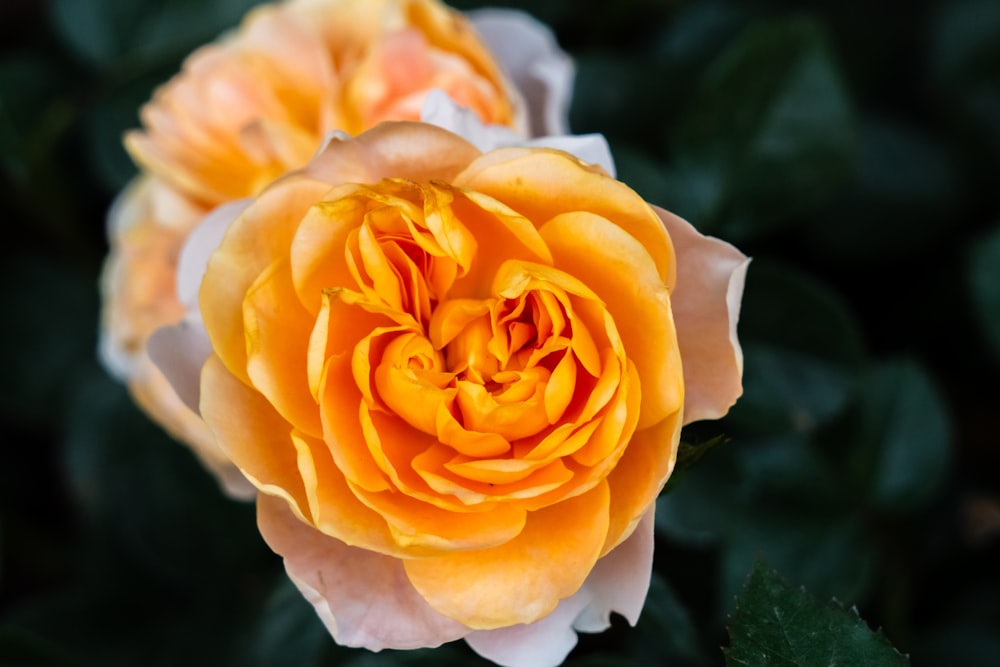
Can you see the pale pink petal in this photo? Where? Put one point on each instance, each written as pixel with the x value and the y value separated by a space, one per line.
pixel 591 148
pixel 441 110
pixel 180 351
pixel 363 598
pixel 544 643
pixel 198 248
pixel 706 306
pixel 531 57
pixel 619 582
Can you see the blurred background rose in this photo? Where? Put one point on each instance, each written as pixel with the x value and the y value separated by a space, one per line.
pixel 851 148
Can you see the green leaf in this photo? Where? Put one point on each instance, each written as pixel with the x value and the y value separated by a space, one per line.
pixel 905 446
pixel 779 626
pixel 772 118
pixel 984 280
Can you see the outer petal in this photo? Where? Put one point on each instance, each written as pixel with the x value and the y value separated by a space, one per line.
pixel 542 72
pixel 441 110
pixel 415 151
pixel 262 232
pixel 363 598
pixel 619 582
pixel 198 248
pixel 179 352
pixel 706 307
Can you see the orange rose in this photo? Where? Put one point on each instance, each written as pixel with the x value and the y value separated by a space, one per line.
pixel 458 379
pixel 258 103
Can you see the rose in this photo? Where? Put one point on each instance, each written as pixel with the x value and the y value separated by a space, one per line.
pixel 458 379
pixel 258 103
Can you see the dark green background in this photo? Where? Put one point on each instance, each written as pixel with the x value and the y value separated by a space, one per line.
pixel 853 148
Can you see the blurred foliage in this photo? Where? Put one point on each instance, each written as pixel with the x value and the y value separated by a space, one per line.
pixel 852 148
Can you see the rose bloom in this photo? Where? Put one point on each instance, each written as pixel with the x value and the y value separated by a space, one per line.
pixel 258 103
pixel 458 380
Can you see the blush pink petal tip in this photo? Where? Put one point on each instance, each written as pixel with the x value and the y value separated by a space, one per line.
pixel 364 598
pixel 531 57
pixel 706 308
pixel 179 352
pixel 618 583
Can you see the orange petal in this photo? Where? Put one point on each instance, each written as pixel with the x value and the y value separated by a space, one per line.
pixel 623 274
pixel 413 151
pixel 254 240
pixel 542 183
pixel 640 475
pixel 277 342
pixel 524 579
pixel 253 435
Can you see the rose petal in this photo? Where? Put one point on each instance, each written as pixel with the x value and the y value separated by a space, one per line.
pixel 540 184
pixel 252 434
pixel 640 475
pixel 363 598
pixel 619 582
pixel 542 72
pixel 706 305
pixel 523 580
pixel 441 110
pixel 262 232
pixel 198 248
pixel 415 151
pixel 179 352
pixel 620 270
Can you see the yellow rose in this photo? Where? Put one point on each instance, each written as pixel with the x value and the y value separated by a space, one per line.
pixel 258 103
pixel 458 380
